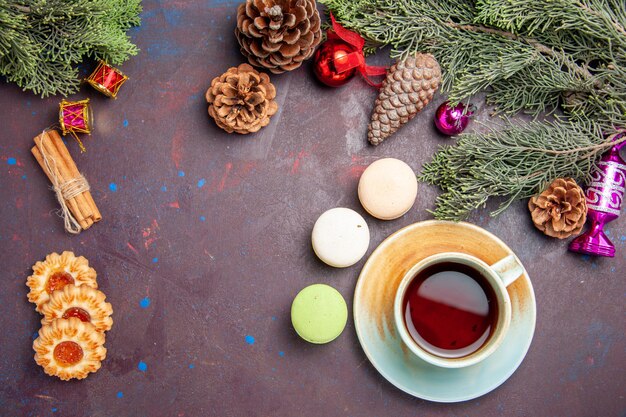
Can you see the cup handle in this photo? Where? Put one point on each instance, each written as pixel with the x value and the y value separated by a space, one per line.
pixel 508 269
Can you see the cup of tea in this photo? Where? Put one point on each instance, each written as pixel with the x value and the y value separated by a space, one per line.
pixel 453 310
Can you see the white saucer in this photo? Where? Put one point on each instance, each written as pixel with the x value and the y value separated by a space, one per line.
pixel 374 319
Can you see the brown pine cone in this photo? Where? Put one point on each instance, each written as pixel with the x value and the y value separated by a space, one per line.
pixel 241 100
pixel 561 210
pixel 409 86
pixel 278 34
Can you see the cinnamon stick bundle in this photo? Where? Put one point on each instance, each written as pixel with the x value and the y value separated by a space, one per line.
pixel 71 187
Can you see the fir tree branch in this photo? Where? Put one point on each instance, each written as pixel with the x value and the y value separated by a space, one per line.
pixel 581 55
pixel 513 163
pixel 608 143
pixel 584 73
pixel 527 55
pixel 42 41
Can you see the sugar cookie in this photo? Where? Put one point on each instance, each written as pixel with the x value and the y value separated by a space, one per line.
pixel 56 272
pixel 82 302
pixel 69 348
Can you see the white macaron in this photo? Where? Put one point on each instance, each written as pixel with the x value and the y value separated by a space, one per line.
pixel 340 237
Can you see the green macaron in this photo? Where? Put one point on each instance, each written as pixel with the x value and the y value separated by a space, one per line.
pixel 319 313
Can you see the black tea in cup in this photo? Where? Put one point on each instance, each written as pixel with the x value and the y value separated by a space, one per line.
pixel 450 309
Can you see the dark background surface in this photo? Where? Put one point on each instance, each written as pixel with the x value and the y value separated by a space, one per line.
pixel 205 242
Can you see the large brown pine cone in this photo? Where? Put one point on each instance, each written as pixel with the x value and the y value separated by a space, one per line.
pixel 561 210
pixel 408 88
pixel 278 34
pixel 241 100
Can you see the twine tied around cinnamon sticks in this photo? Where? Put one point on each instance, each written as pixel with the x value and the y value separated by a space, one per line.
pixel 78 209
pixel 66 191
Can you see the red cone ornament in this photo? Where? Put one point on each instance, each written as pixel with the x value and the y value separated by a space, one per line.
pixel 333 53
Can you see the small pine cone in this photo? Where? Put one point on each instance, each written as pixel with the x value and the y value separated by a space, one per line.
pixel 242 100
pixel 561 210
pixel 278 34
pixel 409 86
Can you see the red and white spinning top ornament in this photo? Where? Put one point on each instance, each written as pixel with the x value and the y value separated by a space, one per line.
pixel 341 56
pixel 453 120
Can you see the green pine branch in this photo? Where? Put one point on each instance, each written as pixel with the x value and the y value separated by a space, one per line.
pixel 528 56
pixel 512 163
pixel 42 41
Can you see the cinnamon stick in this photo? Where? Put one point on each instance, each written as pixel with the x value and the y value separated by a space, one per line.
pixel 53 149
pixel 72 204
pixel 82 206
pixel 85 199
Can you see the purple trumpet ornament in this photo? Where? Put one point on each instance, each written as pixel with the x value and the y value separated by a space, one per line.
pixel 605 195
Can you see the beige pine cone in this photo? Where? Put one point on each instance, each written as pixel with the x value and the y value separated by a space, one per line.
pixel 242 100
pixel 278 34
pixel 561 210
pixel 409 86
